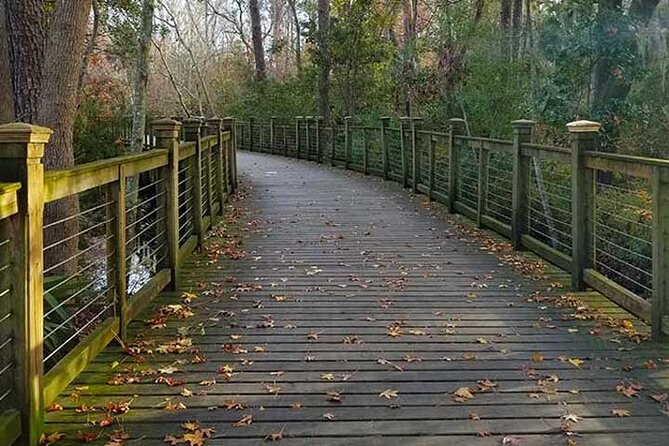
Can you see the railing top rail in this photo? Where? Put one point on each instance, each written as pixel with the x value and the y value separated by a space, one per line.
pixel 546 147
pixel 65 182
pixel 488 140
pixel 8 199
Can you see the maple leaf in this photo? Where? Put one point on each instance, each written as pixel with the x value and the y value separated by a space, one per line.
pixel 621 412
pixel 54 407
pixel 327 376
pixel 168 370
pixel 481 340
pixel 389 394
pixel 169 405
pixel 275 436
pixel 629 391
pixel 334 397
pixel 86 437
pixel 245 420
pixel 462 394
pixel 50 439
pixel 187 393
pixel 232 404
pixel 272 389
pixel 536 357
pixel 296 406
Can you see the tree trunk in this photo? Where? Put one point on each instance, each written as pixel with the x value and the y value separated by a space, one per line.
pixel 90 47
pixel 409 56
pixel 516 20
pixel 58 103
pixel 298 36
pixel 256 37
pixel 6 94
pixel 141 78
pixel 505 25
pixel 324 62
pixel 26 31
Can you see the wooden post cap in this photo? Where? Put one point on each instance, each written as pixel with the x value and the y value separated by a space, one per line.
pixel 584 127
pixel 166 128
pixel 24 133
pixel 385 118
pixel 214 120
pixel 192 122
pixel 348 118
pixel 457 123
pixel 522 123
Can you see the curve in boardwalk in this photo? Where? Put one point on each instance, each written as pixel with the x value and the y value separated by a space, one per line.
pixel 360 315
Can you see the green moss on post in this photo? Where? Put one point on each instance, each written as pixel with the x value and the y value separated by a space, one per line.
pixel 21 152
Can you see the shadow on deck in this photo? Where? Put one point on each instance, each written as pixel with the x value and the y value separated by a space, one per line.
pixel 361 314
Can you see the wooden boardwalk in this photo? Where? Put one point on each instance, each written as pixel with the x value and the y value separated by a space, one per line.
pixel 363 315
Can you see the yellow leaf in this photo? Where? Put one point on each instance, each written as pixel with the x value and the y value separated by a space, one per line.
pixel 621 412
pixel 388 394
pixel 536 357
pixel 327 376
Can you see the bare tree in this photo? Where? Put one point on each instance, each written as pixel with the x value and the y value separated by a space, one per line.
pixel 141 77
pixel 256 37
pixel 324 59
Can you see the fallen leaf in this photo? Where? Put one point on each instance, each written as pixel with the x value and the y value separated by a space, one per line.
pixel 621 412
pixel 244 421
pixel 388 394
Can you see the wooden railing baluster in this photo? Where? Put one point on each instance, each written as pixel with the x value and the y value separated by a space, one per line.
pixel 583 137
pixel 385 160
pixel 347 141
pixel 415 152
pixel 523 132
pixel 319 150
pixel 403 150
pixel 298 143
pixel 457 128
pixel 192 134
pixel 432 150
pixel 166 132
pixel 484 158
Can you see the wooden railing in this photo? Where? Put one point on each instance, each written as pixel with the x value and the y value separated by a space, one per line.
pixel 69 283
pixel 602 217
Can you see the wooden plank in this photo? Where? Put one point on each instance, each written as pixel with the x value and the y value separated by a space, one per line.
pixel 561 154
pixel 623 297
pixel 76 360
pixel 10 426
pixel 186 150
pixel 150 290
pixel 549 253
pixel 9 199
pixel 334 262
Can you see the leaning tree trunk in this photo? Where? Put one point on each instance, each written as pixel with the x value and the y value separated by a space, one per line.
pixel 324 59
pixel 6 94
pixel 256 36
pixel 57 110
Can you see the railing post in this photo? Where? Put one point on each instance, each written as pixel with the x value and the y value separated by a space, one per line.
pixel 117 248
pixel 523 133
pixel 231 158
pixel 481 205
pixel 415 152
pixel 215 126
pixel 347 141
pixel 209 184
pixel 192 133
pixel 403 151
pixel 333 143
pixel 385 122
pixel 660 296
pixel 365 152
pixel 251 124
pixel 272 134
pixel 307 119
pixel 297 136
pixel 166 132
pixel 583 137
pixel 21 152
pixel 317 129
pixel 457 128
pixel 432 150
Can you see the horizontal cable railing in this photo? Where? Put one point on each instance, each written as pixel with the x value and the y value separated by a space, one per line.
pixel 602 217
pixel 84 249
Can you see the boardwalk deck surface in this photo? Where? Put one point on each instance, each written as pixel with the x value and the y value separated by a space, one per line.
pixel 355 315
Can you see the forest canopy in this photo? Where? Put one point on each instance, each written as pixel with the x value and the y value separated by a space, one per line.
pixel 489 62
